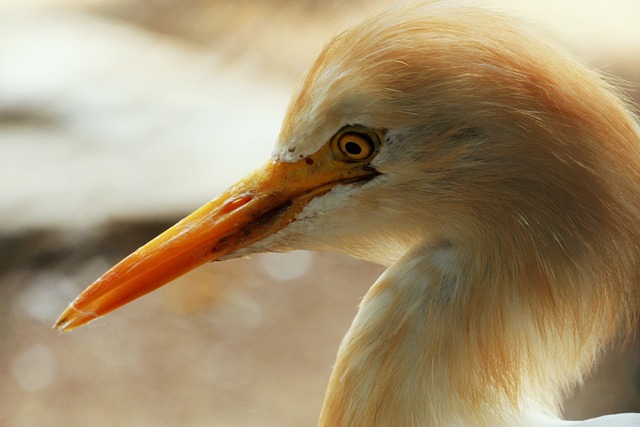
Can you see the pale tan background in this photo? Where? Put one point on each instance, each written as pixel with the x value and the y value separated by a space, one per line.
pixel 119 117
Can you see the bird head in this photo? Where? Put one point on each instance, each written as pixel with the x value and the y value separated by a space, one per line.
pixel 413 127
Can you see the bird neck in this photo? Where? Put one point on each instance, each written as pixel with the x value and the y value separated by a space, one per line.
pixel 444 339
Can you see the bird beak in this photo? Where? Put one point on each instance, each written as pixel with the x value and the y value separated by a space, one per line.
pixel 257 206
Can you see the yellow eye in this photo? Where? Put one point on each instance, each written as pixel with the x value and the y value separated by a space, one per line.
pixel 355 146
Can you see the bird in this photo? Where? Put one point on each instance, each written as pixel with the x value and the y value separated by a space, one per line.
pixel 493 173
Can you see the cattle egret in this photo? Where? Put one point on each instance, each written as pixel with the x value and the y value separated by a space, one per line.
pixel 496 176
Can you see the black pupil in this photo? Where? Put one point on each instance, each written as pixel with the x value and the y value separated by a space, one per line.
pixel 353 148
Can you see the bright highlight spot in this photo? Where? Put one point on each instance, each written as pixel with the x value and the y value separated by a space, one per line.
pixel 34 368
pixel 286 266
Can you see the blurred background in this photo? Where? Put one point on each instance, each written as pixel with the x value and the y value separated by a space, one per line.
pixel 119 117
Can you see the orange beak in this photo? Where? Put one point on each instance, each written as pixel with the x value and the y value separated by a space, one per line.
pixel 257 206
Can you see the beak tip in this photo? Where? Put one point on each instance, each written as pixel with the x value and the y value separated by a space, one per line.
pixel 72 318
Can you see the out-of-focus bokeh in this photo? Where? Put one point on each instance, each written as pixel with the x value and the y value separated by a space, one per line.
pixel 119 117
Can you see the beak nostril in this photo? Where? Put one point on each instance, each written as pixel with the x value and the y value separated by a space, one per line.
pixel 233 204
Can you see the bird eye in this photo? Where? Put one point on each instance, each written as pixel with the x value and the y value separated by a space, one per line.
pixel 355 146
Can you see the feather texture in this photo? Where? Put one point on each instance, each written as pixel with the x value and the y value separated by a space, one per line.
pixel 511 179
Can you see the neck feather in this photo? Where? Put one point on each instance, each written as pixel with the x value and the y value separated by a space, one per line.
pixel 446 338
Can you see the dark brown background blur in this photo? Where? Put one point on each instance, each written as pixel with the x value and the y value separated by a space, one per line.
pixel 119 117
